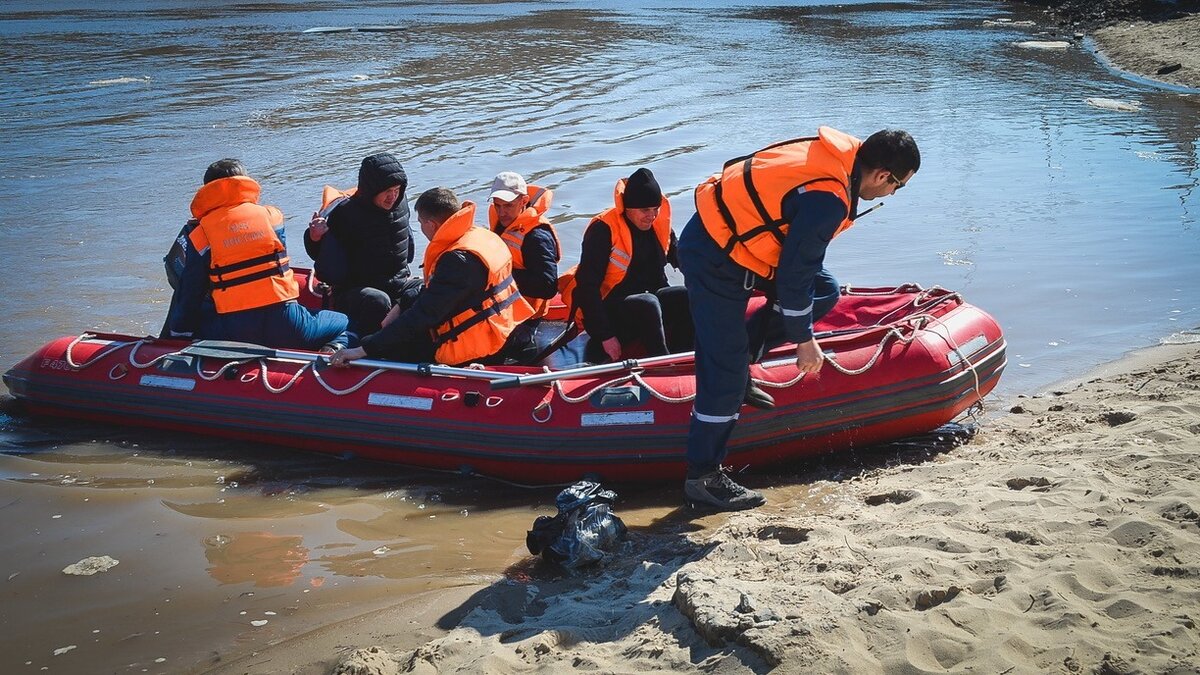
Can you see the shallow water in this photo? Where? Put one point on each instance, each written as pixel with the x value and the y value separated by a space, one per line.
pixel 1075 226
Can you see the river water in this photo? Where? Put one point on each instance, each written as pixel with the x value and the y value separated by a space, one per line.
pixel 1076 226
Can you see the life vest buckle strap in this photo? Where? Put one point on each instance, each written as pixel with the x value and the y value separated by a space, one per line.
pixel 280 258
pixel 476 318
pixel 221 284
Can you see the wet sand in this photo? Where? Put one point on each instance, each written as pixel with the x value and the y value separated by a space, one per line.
pixel 626 617
pixel 1063 537
pixel 1144 48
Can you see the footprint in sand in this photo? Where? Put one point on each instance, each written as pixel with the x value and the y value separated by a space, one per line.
pixel 1115 418
pixel 893 497
pixel 784 534
pixel 1181 512
pixel 1022 483
pixel 1020 537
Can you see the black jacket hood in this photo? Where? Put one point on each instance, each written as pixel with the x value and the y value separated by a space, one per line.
pixel 380 172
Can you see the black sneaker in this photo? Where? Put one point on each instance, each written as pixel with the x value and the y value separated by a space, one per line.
pixel 755 396
pixel 716 491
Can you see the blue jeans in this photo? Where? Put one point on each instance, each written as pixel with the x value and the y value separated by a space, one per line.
pixel 718 297
pixel 286 325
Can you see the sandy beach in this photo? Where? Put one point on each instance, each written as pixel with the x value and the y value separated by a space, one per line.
pixel 1156 40
pixel 1062 537
pixel 1167 51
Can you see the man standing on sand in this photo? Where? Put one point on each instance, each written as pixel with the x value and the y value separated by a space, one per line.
pixel 765 221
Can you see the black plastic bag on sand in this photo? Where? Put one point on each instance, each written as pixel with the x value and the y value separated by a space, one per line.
pixel 582 532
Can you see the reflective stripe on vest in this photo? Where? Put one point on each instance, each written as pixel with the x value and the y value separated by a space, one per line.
pixel 497 299
pixel 532 217
pixel 620 256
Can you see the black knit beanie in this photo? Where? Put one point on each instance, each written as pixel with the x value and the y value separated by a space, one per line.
pixel 642 191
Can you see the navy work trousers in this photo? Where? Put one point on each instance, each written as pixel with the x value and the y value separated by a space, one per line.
pixel 718 294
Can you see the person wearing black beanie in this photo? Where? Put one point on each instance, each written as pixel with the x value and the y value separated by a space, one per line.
pixel 642 191
pixel 363 246
pixel 620 285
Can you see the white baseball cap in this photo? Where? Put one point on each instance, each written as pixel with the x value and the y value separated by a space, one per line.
pixel 507 186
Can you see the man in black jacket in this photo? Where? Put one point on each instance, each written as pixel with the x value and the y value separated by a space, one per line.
pixel 364 248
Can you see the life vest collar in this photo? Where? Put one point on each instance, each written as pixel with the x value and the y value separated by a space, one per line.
pixel 332 197
pixel 842 147
pixel 449 232
pixel 225 192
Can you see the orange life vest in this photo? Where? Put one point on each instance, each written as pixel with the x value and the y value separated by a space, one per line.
pixel 480 330
pixel 514 235
pixel 248 265
pixel 621 253
pixel 331 197
pixel 742 207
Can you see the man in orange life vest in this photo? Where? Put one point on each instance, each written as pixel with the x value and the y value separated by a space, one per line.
pixel 765 221
pixel 518 215
pixel 621 284
pixel 469 311
pixel 235 256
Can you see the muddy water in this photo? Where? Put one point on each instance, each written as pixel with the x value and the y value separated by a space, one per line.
pixel 222 551
pixel 1074 225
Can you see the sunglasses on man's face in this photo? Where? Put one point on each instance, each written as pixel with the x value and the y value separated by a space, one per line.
pixel 892 179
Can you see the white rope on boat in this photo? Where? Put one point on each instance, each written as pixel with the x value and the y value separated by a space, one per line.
pixel 142 366
pixel 262 364
pixel 971 366
pixel 915 323
pixel 220 371
pixel 112 347
pixel 781 385
pixel 558 388
pixel 341 392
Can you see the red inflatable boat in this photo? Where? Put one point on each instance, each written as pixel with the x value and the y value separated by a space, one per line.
pixel 899 361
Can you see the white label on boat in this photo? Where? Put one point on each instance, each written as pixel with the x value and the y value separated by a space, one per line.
pixel 973 345
pixel 616 418
pixel 395 401
pixel 180 383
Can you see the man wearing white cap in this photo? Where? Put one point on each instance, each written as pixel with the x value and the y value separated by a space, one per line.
pixel 518 215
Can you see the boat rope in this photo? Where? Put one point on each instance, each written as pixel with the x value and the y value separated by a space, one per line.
pixel 112 347
pixel 142 366
pixel 962 358
pixel 220 371
pixel 558 388
pixel 262 364
pixel 350 390
pixel 902 333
